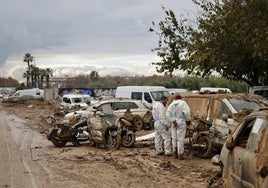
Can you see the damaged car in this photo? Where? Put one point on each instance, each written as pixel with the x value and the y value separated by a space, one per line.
pixel 142 116
pixel 244 156
pixel 215 116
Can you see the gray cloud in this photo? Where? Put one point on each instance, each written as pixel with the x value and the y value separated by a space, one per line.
pixel 95 28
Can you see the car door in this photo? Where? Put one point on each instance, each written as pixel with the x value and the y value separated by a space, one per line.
pixel 245 156
pixel 258 143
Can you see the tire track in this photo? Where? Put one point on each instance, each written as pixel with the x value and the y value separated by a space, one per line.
pixel 12 172
pixel 17 167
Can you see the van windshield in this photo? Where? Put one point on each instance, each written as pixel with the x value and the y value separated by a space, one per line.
pixel 78 100
pixel 158 94
pixel 240 104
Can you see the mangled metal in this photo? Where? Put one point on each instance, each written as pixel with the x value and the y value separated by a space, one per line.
pixel 220 113
pixel 244 156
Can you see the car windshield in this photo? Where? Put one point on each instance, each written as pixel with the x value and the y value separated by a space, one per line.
pixel 78 100
pixel 250 104
pixel 158 94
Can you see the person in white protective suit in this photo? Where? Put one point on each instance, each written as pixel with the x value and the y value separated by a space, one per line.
pixel 178 114
pixel 161 128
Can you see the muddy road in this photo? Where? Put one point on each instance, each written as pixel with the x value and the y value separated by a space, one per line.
pixel 28 159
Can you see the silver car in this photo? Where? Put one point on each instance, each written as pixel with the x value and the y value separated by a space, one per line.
pixel 119 107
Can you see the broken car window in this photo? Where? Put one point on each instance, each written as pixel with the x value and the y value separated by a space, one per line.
pixel 242 138
pixel 241 104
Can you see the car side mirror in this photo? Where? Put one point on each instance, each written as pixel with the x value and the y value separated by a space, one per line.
pixel 230 143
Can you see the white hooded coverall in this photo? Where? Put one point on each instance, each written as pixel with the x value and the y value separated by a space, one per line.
pixel 178 111
pixel 160 126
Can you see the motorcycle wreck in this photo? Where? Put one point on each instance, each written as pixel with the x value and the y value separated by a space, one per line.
pixel 60 134
pixel 104 129
pixel 100 128
pixel 129 126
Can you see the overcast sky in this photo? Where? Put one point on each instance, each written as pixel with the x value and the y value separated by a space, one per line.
pixel 77 36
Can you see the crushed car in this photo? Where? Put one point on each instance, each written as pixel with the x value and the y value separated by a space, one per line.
pixel 141 116
pixel 244 156
pixel 215 116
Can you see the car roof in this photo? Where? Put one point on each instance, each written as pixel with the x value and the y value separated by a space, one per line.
pixel 221 95
pixel 119 100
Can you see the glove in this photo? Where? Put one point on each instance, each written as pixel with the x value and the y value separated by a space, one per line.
pixel 166 127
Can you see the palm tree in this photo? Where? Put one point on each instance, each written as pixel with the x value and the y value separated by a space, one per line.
pixel 36 74
pixel 42 76
pixel 49 73
pixel 27 76
pixel 31 70
pixel 28 58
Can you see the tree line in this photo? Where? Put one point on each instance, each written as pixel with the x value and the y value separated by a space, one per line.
pixel 186 82
pixel 8 82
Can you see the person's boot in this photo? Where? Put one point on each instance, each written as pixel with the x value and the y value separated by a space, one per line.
pixel 175 152
pixel 181 157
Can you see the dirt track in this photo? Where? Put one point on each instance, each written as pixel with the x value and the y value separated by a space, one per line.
pixel 28 159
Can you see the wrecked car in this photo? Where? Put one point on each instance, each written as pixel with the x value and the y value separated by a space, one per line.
pixel 220 113
pixel 244 156
pixel 142 116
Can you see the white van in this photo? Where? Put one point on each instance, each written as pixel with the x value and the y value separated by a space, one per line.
pixel 35 92
pixel 215 90
pixel 71 100
pixel 147 94
pixel 173 91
